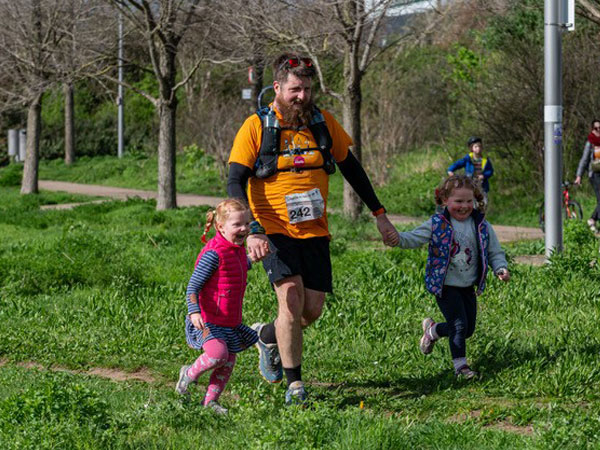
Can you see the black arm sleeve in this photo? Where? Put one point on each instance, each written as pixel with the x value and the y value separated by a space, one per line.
pixel 354 173
pixel 237 180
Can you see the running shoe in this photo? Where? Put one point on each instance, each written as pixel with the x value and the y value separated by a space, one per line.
pixel 218 409
pixel 296 394
pixel 427 342
pixel 184 381
pixel 269 361
pixel 466 373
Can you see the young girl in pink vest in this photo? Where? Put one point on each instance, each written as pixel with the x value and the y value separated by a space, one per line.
pixel 214 300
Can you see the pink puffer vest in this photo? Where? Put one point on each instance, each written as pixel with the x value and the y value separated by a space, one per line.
pixel 222 295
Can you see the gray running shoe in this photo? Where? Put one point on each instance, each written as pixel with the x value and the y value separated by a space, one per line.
pixel 296 394
pixel 218 409
pixel 269 361
pixel 427 342
pixel 465 373
pixel 184 381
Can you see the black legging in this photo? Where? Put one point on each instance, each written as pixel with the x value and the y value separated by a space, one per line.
pixel 459 307
pixel 595 181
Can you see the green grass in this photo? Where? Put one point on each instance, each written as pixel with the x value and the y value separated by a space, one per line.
pixel 409 190
pixel 103 285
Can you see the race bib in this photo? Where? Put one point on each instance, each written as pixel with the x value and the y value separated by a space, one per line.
pixel 305 206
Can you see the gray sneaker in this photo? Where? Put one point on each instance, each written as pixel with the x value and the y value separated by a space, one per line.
pixel 269 361
pixel 184 381
pixel 427 342
pixel 218 409
pixel 466 373
pixel 296 394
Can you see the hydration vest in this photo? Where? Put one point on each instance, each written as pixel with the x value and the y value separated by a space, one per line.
pixel 266 164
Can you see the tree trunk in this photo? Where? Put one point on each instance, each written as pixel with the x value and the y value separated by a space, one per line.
pixel 352 124
pixel 259 71
pixel 29 184
pixel 167 193
pixel 69 124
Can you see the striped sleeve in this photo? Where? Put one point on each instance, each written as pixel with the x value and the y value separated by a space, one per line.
pixel 208 264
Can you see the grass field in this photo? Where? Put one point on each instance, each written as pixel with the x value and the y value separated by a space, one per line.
pixel 409 190
pixel 102 286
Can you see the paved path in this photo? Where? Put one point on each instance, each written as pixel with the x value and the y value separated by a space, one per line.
pixel 505 233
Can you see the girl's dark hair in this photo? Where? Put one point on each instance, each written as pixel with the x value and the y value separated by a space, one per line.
pixel 444 190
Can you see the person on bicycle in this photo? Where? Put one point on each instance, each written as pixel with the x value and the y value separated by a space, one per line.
pixel 591 160
pixel 476 165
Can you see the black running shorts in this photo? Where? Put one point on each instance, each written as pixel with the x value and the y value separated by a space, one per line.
pixel 308 258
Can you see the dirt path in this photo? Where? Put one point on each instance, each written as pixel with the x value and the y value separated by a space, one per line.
pixel 505 233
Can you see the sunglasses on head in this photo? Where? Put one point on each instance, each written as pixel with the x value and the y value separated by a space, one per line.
pixel 295 62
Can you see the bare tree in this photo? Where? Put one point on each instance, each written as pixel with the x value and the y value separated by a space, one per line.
pixel 347 31
pixel 590 9
pixel 29 34
pixel 163 24
pixel 82 54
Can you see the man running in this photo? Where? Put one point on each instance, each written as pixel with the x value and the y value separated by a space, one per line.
pixel 286 152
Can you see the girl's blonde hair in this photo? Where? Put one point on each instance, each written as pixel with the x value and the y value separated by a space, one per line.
pixel 444 190
pixel 221 213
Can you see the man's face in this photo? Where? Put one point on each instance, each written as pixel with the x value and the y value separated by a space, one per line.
pixel 293 98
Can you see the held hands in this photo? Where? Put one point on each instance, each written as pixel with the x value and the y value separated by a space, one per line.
pixel 197 321
pixel 503 274
pixel 257 246
pixel 387 230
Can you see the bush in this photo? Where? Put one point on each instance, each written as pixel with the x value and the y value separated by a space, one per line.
pixel 11 175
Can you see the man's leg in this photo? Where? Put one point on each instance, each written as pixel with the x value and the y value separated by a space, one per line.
pixel 288 326
pixel 313 306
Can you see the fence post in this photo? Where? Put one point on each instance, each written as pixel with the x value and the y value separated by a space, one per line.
pixel 22 144
pixel 13 144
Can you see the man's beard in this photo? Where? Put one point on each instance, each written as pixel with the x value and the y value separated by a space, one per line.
pixel 295 114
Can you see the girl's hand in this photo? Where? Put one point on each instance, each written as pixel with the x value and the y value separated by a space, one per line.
pixel 257 246
pixel 197 321
pixel 503 274
pixel 387 230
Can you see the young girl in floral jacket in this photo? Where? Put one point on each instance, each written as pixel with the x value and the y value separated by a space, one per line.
pixel 462 247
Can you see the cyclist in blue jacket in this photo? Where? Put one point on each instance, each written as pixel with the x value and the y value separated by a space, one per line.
pixel 475 164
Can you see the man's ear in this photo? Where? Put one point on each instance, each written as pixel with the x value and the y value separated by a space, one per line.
pixel 276 87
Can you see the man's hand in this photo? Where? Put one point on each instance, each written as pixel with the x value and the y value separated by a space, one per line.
pixel 196 319
pixel 257 246
pixel 503 274
pixel 388 232
pixel 577 181
pixel 450 173
pixel 480 176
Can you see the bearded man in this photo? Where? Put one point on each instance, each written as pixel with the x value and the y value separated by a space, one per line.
pixel 287 152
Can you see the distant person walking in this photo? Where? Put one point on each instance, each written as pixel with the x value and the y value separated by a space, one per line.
pixel 462 245
pixel 214 300
pixel 476 165
pixel 280 162
pixel 590 160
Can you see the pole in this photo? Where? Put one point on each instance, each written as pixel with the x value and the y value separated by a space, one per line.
pixel 552 127
pixel 120 90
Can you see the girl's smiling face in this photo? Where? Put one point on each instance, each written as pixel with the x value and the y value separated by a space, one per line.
pixel 460 203
pixel 235 229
